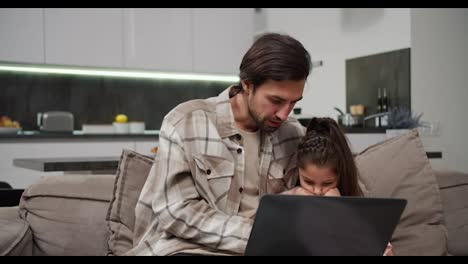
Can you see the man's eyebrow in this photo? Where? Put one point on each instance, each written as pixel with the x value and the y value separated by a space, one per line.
pixel 277 98
pixel 298 100
pixel 282 99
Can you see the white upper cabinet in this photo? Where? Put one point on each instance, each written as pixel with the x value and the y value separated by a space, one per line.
pixel 158 39
pixel 220 38
pixel 84 36
pixel 166 39
pixel 22 35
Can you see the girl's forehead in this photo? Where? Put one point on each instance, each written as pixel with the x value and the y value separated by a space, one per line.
pixel 318 172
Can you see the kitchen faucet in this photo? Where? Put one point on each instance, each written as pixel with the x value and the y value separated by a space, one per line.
pixel 374 116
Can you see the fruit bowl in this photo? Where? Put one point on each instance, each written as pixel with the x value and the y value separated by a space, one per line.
pixel 9 126
pixel 9 130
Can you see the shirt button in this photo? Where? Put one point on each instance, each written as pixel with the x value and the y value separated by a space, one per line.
pixel 239 150
pixel 241 189
pixel 284 171
pixel 208 171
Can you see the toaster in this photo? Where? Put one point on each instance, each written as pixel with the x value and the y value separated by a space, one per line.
pixel 55 121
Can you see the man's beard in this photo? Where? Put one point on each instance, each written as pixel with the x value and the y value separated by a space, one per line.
pixel 259 122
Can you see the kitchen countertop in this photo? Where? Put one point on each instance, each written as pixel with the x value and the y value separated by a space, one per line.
pixel 351 130
pixel 77 134
pixel 148 135
pixel 95 164
pixel 364 130
pixel 69 164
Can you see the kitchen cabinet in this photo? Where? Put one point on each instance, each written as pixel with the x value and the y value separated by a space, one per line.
pixel 202 40
pixel 221 36
pixel 21 178
pixel 22 35
pixel 158 39
pixel 84 36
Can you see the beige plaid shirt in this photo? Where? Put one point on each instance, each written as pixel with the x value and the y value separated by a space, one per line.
pixel 190 201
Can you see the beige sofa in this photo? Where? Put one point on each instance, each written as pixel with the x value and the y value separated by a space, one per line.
pixel 93 214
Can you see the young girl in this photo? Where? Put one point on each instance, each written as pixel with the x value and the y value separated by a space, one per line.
pixel 326 164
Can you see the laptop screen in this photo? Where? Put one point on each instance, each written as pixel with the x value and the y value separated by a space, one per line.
pixel 317 225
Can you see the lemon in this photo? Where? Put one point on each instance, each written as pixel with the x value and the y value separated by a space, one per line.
pixel 8 123
pixel 121 118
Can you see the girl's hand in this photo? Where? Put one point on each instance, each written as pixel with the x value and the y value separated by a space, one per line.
pixel 333 192
pixel 297 191
pixel 302 191
pixel 389 250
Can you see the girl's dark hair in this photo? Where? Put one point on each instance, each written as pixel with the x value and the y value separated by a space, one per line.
pixel 325 144
pixel 276 57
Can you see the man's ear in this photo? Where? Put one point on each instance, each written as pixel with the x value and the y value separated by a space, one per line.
pixel 247 87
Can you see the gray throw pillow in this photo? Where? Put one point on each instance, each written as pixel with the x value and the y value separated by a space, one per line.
pixel 130 177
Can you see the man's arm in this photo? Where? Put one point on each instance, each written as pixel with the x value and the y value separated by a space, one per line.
pixel 180 209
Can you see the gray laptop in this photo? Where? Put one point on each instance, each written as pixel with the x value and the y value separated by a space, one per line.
pixel 316 225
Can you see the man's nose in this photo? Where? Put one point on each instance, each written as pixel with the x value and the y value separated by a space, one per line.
pixel 283 113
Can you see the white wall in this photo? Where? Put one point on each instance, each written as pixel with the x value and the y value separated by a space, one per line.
pixel 439 80
pixel 334 35
pixel 439 63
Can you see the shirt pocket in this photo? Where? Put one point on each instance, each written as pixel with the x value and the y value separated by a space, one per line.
pixel 282 175
pixel 214 175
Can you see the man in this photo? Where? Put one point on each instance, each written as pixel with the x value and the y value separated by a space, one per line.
pixel 216 157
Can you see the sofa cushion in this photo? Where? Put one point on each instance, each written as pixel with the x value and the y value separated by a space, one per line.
pixel 15 234
pixel 67 214
pixel 454 191
pixel 131 176
pixel 399 168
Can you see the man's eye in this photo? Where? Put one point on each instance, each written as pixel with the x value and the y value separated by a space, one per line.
pixel 276 102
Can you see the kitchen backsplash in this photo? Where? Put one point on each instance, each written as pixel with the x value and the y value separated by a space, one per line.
pixel 96 100
pixel 366 75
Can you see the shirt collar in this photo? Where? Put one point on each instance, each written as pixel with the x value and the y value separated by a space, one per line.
pixel 225 122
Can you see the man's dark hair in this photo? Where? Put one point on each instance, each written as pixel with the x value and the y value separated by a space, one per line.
pixel 276 57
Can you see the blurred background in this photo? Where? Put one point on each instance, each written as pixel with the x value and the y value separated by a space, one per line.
pixel 67 73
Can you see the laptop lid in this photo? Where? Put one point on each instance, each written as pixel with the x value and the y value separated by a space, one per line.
pixel 318 225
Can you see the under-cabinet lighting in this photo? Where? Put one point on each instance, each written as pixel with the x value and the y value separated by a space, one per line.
pixel 119 73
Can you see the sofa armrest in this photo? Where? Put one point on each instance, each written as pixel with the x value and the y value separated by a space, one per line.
pixel 68 214
pixel 454 193
pixel 15 234
pixel 9 213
